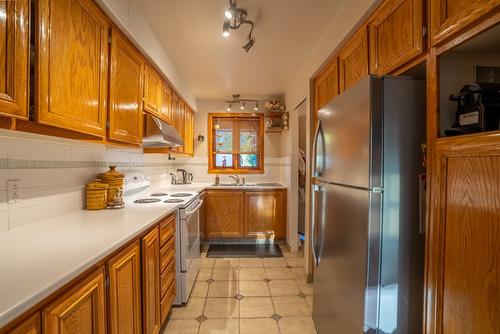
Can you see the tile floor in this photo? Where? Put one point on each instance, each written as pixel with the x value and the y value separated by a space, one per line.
pixel 247 296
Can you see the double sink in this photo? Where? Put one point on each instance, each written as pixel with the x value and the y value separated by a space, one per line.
pixel 265 184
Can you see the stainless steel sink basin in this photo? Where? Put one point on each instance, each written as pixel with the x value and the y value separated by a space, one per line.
pixel 268 184
pixel 229 185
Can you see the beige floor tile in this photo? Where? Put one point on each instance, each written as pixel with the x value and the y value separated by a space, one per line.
pixel 309 302
pixel 220 326
pixel 204 274
pixel 182 326
pixel 274 262
pixel 297 325
pixel 192 310
pixel 252 274
pixel 225 274
pixel 306 288
pixel 296 261
pixel 259 326
pixel 284 288
pixel 226 263
pixel 256 307
pixel 288 306
pixel 298 274
pixel 207 262
pixel 200 289
pixel 221 308
pixel 253 289
pixel 278 273
pixel 250 262
pixel 223 289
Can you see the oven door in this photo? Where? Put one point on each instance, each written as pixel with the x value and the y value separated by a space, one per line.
pixel 190 262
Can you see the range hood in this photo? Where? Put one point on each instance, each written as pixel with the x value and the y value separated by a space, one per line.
pixel 158 134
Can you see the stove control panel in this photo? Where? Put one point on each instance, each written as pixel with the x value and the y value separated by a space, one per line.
pixel 135 181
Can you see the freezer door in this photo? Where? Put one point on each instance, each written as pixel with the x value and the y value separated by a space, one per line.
pixel 341 247
pixel 346 126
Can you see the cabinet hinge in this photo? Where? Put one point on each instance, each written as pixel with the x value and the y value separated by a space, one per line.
pixel 424 31
pixel 107 124
pixel 107 281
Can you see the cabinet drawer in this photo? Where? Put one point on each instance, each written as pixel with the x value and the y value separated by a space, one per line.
pixel 167 277
pixel 166 302
pixel 167 229
pixel 167 253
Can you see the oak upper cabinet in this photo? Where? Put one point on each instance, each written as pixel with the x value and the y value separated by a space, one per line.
pixel 265 212
pixel 14 58
pixel 81 309
pixel 166 104
pixel 188 131
pixel 152 91
pixel 326 84
pixel 179 124
pixel 353 59
pixel 151 282
pixel 396 34
pixel 28 326
pixel 448 17
pixel 224 213
pixel 125 91
pixel 125 291
pixel 73 39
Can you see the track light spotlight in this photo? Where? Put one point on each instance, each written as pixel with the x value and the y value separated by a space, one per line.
pixel 225 29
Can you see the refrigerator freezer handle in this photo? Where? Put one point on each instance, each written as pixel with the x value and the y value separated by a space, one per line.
pixel 315 150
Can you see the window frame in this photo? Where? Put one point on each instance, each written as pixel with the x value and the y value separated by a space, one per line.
pixel 212 169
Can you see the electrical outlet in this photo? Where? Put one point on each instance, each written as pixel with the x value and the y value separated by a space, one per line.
pixel 13 191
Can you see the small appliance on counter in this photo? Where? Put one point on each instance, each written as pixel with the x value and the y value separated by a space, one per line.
pixel 478 109
pixel 181 177
pixel 114 180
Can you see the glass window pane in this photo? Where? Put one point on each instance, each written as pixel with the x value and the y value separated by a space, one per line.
pixel 224 160
pixel 224 140
pixel 248 141
pixel 248 160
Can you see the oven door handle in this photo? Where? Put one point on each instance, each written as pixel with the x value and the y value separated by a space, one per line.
pixel 191 212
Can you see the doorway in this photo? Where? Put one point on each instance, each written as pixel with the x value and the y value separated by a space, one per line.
pixel 301 170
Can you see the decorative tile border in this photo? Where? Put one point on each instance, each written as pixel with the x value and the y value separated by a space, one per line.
pixel 35 164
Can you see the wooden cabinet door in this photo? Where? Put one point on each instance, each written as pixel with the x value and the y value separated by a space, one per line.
pixel 180 124
pixel 326 84
pixel 224 213
pixel 447 17
pixel 463 254
pixel 79 310
pixel 152 91
pixel 188 131
pixel 265 213
pixel 353 59
pixel 151 282
pixel 14 58
pixel 73 38
pixel 396 34
pixel 125 291
pixel 166 104
pixel 125 91
pixel 28 326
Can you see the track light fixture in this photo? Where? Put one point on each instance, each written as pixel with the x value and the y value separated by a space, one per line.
pixel 235 17
pixel 242 102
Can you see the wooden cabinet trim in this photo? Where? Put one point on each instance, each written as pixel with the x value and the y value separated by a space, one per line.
pixel 31 325
pixel 328 79
pixel 151 282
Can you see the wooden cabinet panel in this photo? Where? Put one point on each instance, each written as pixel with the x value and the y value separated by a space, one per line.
pixel 326 84
pixel 353 59
pixel 14 58
pixel 72 65
pixel 188 131
pixel 79 310
pixel 167 301
pixel 448 17
pixel 167 229
pixel 166 103
pixel 179 121
pixel 125 91
pixel 151 282
pixel 463 255
pixel 396 34
pixel 125 291
pixel 265 213
pixel 224 213
pixel 28 326
pixel 152 91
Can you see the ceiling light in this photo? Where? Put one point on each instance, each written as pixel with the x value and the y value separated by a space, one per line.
pixel 229 107
pixel 235 17
pixel 242 105
pixel 256 106
pixel 225 29
pixel 249 45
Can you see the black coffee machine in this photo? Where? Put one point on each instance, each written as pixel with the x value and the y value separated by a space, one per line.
pixel 478 109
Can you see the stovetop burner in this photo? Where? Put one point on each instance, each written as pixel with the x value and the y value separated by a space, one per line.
pixel 146 200
pixel 159 194
pixel 173 200
pixel 180 195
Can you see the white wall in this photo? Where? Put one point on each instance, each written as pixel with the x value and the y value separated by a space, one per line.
pixel 126 15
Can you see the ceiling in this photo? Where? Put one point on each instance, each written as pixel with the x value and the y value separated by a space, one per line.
pixel 215 67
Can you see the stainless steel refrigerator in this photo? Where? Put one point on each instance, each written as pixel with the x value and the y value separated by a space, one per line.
pixel 367 245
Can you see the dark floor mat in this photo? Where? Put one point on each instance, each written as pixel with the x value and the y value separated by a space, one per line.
pixel 242 250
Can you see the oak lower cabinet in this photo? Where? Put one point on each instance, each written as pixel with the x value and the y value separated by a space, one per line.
pixel 326 84
pixel 396 34
pixel 152 91
pixel 448 17
pixel 125 291
pixel 28 326
pixel 224 212
pixel 151 282
pixel 81 309
pixel 72 80
pixel 353 60
pixel 167 265
pixel 125 91
pixel 14 58
pixel 265 213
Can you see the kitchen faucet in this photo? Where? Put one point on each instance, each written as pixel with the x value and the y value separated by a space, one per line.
pixel 236 178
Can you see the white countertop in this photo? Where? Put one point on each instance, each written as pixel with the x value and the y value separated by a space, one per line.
pixel 38 259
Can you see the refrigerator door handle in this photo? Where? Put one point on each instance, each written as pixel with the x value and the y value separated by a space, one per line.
pixel 317 167
pixel 314 223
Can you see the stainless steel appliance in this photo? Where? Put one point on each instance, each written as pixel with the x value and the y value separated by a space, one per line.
pixel 366 242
